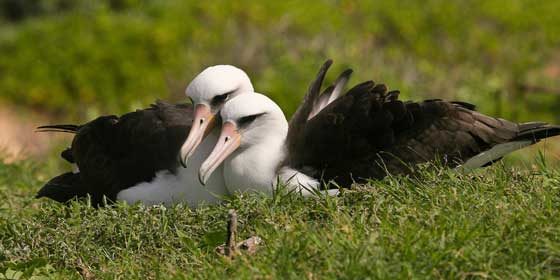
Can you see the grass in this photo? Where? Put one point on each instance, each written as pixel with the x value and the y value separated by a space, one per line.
pixel 120 55
pixel 500 222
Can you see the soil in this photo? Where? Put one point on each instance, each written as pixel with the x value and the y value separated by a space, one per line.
pixel 18 139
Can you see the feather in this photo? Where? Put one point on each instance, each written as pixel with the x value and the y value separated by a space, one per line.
pixel 67 128
pixel 114 153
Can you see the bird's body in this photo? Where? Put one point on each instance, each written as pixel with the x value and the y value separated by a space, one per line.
pixel 113 154
pixel 181 186
pixel 365 134
pixel 137 157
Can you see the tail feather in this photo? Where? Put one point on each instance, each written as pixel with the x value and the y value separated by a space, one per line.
pixel 536 131
pixel 529 134
pixel 63 188
pixel 68 128
pixel 530 125
pixel 492 155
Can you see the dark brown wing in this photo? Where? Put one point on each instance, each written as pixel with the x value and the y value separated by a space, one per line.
pixel 114 153
pixel 300 116
pixel 369 132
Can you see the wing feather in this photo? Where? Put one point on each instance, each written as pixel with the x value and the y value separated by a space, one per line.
pixel 368 132
pixel 114 153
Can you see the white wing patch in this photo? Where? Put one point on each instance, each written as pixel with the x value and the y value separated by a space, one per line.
pixel 330 94
pixel 493 154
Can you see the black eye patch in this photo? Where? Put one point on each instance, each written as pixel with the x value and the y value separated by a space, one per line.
pixel 221 99
pixel 247 120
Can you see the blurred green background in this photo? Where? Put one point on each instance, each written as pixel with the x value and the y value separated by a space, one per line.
pixel 75 59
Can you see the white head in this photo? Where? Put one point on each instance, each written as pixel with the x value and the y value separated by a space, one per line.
pixel 209 91
pixel 247 120
pixel 216 84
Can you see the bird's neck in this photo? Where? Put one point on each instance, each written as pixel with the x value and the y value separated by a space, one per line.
pixel 255 168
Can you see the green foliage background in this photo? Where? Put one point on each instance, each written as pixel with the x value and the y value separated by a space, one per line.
pixel 81 58
pixel 77 59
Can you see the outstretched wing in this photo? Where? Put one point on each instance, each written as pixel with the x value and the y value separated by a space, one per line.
pixel 369 132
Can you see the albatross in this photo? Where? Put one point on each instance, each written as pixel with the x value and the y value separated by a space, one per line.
pixel 134 157
pixel 366 133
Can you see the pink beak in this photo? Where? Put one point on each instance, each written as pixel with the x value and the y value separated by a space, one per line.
pixel 203 123
pixel 229 141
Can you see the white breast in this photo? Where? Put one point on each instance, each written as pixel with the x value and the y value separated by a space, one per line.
pixel 183 187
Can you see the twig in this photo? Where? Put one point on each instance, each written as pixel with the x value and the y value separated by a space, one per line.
pixel 233 248
pixel 231 244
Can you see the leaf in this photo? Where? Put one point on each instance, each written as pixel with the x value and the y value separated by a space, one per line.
pixel 12 274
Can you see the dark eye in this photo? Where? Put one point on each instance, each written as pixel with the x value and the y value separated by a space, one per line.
pixel 245 121
pixel 220 99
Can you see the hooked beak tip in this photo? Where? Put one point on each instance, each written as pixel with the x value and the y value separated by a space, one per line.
pixel 183 162
pixel 202 179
